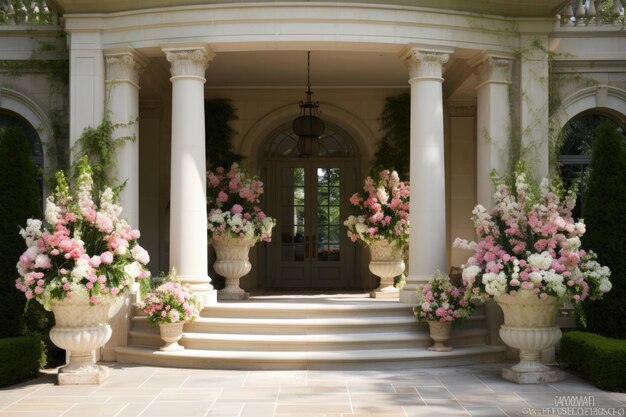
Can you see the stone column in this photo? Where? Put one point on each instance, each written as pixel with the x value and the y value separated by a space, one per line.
pixel 427 244
pixel 122 82
pixel 122 104
pixel 493 123
pixel 188 214
pixel 493 126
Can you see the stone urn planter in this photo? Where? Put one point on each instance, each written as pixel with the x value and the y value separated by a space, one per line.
pixel 232 263
pixel 386 262
pixel 440 333
pixel 171 333
pixel 529 325
pixel 80 329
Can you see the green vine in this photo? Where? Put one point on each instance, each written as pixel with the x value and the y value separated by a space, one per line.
pixel 98 144
pixel 57 73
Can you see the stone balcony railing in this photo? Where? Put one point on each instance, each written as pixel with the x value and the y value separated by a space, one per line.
pixel 582 13
pixel 26 12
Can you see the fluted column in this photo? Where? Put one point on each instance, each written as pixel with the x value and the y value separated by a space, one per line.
pixel 122 83
pixel 427 243
pixel 188 215
pixel 493 122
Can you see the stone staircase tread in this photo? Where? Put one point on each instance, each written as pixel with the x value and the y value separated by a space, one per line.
pixel 135 354
pixel 315 338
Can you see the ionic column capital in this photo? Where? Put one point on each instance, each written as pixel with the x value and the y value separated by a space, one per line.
pixel 123 66
pixel 424 63
pixel 188 61
pixel 493 69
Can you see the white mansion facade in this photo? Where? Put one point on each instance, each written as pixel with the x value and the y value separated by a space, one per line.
pixel 478 74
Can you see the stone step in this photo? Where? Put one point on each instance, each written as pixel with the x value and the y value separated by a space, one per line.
pixel 308 342
pixel 343 359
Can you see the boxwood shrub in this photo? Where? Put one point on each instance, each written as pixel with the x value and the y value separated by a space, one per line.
pixel 599 359
pixel 20 358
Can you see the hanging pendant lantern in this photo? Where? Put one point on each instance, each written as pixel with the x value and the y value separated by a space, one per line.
pixel 308 126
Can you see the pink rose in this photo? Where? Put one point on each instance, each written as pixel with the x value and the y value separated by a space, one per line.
pixel 236 209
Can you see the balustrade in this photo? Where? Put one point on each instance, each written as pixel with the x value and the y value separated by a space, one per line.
pixel 583 13
pixel 26 12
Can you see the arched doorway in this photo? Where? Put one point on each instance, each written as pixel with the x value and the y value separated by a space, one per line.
pixel 309 197
pixel 14 120
pixel 576 153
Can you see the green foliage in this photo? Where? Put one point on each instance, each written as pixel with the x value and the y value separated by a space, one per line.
pixel 606 228
pixel 394 148
pixel 37 321
pixel 218 113
pixel 601 360
pixel 22 357
pixel 98 145
pixel 19 200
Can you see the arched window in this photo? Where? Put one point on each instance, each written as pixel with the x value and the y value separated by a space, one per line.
pixel 578 136
pixel 12 119
pixel 334 143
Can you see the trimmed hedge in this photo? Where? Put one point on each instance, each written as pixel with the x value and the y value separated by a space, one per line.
pixel 604 217
pixel 599 359
pixel 19 200
pixel 20 359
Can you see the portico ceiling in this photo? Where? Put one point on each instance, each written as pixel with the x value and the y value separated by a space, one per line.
pixel 508 8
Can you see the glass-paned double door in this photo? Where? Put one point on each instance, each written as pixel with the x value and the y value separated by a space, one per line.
pixel 310 249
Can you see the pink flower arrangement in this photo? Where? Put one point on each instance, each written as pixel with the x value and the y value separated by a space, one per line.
pixel 381 210
pixel 439 300
pixel 84 251
pixel 530 242
pixel 171 302
pixel 233 199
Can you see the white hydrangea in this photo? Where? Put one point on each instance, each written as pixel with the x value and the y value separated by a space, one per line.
pixel 541 260
pixel 554 282
pixel 605 285
pixel 572 244
pixel 495 284
pixel 140 254
pixel 80 271
pixel 52 212
pixel 382 195
pixel 133 269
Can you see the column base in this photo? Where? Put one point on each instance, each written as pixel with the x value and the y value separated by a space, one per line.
pixel 538 377
pixel 92 375
pixel 389 292
pixel 207 297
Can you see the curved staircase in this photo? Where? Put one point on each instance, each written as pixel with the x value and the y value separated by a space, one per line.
pixel 308 333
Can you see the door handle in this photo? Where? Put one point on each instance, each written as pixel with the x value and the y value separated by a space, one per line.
pixel 306 247
pixel 314 247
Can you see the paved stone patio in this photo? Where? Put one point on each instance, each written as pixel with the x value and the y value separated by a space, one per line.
pixel 141 391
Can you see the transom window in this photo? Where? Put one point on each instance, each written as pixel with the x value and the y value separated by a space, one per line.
pixel 333 144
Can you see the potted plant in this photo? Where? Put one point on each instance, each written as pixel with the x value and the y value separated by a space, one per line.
pixel 440 304
pixel 529 259
pixel 170 306
pixel 76 263
pixel 380 221
pixel 235 224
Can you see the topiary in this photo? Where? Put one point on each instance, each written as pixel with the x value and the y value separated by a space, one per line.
pixel 19 200
pixel 218 113
pixel 394 148
pixel 604 216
